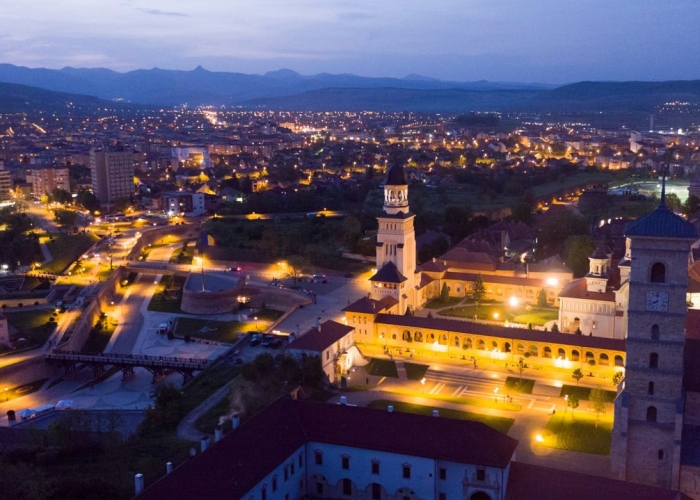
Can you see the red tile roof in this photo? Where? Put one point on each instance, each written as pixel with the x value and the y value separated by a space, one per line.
pixel 318 340
pixel 230 468
pixel 468 327
pixel 531 482
pixel 577 289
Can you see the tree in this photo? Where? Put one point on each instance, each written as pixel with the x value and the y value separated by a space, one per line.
pixel 478 290
pixel 673 202
pixel 557 228
pixel 617 378
pixel 572 402
pixel 167 411
pixel 457 219
pixel 542 298
pixel 88 200
pixel 296 267
pixel 521 369
pixel 555 328
pixel 577 375
pixel 444 293
pixel 691 205
pixel 597 399
pixel 61 196
pixel 66 219
pixel 577 249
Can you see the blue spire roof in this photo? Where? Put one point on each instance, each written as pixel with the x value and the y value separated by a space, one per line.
pixel 661 223
pixel 395 176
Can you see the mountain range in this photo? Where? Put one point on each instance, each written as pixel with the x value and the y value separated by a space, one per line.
pixel 288 90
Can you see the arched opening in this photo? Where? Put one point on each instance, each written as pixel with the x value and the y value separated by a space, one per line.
pixel 603 359
pixel 456 341
pixel 650 389
pixel 575 355
pixel 406 335
pixel 418 337
pixel 651 414
pixel 653 360
pixel 519 349
pixel 393 336
pixel 494 345
pixel 480 344
pixel 658 273
pixel 431 337
pixel 506 347
pixel 479 495
pixel 619 361
pixel 443 339
pixel 561 353
pixel 576 324
pixel 661 454
pixel 533 350
pixel 655 332
pixel 589 356
pixel 469 343
pixel 547 352
pixel 375 491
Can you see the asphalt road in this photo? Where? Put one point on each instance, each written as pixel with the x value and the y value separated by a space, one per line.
pixel 129 313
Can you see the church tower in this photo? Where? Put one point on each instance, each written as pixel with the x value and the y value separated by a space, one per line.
pixel 396 244
pixel 649 407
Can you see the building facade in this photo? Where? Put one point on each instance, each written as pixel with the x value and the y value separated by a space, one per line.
pixel 184 204
pixel 112 175
pixel 45 179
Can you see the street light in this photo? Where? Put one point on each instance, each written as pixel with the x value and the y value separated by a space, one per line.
pixel 256 323
pixel 7 396
pixel 422 381
pixel 566 402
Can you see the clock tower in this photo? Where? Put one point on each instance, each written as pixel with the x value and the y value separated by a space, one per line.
pixel 649 405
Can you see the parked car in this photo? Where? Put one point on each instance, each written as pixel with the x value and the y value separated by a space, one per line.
pixel 267 340
pixel 255 339
pixel 276 343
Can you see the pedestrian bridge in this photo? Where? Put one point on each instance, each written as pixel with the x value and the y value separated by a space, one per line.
pixel 159 366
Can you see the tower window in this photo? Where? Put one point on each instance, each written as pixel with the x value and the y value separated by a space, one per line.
pixel 658 273
pixel 651 414
pixel 653 360
pixel 661 454
pixel 655 332
pixel 650 389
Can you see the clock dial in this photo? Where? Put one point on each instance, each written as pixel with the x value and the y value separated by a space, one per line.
pixel 657 301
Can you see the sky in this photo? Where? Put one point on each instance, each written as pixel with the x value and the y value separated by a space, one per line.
pixel 547 41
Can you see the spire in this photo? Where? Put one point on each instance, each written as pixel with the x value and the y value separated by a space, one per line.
pixel 662 204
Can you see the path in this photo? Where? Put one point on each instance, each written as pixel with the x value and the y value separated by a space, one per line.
pixel 186 428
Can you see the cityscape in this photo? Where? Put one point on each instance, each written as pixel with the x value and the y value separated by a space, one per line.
pixel 294 272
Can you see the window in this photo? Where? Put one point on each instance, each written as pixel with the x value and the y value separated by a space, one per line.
pixel 274 484
pixel 301 460
pixel 661 454
pixel 318 458
pixel 442 496
pixel 655 332
pixel 347 487
pixel 658 273
pixel 376 491
pixel 406 471
pixel 319 488
pixel 345 462
pixel 375 466
pixel 442 473
pixel 653 360
pixel 619 361
pixel 263 493
pixel 292 468
pixel 651 414
pixel 650 389
pixel 480 474
pixel 604 359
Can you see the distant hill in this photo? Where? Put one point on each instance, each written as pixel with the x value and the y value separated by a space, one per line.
pixel 24 99
pixel 199 86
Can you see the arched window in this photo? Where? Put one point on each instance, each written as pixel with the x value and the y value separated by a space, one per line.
pixel 651 414
pixel 655 332
pixel 506 347
pixel 619 361
pixel 603 359
pixel 575 355
pixel 456 341
pixel 494 345
pixel 533 350
pixel 661 454
pixel 519 349
pixel 658 273
pixel 589 356
pixel 418 337
pixel 406 335
pixel 469 343
pixel 431 337
pixel 653 360
pixel 547 352
pixel 650 389
pixel 393 336
pixel 480 344
pixel 443 339
pixel 561 353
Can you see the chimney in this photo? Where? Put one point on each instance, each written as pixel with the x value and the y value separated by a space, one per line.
pixel 138 483
pixel 218 434
pixel 390 408
pixel 343 400
pixel 436 413
pixel 168 467
pixel 204 443
pixel 434 259
pixel 235 420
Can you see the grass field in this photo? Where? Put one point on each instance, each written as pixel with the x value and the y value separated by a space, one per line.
pixel 382 368
pixel 537 316
pixel 32 325
pixel 97 341
pixel 66 249
pixel 501 424
pixel 583 393
pixel 218 331
pixel 438 302
pixel 159 303
pixel 206 383
pixel 482 401
pixel 519 385
pixel 498 312
pixel 576 431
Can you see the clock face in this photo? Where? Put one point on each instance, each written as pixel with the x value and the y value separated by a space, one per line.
pixel 657 301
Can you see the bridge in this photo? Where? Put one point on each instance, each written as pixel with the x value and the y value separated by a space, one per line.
pixel 159 366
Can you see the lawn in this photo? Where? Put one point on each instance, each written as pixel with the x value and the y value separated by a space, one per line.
pixel 23 390
pixel 35 326
pixel 583 393
pixel 66 249
pixel 521 386
pixel 482 401
pixel 437 303
pixel 576 431
pixel 499 312
pixel 501 424
pixel 97 341
pixel 537 316
pixel 218 331
pixel 183 256
pixel 206 383
pixel 162 301
pixel 415 371
pixel 382 368
pixel 208 422
pixel 268 314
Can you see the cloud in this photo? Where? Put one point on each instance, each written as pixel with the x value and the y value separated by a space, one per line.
pixel 158 12
pixel 354 16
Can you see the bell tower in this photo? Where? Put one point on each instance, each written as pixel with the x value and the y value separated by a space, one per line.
pixel 649 406
pixel 396 243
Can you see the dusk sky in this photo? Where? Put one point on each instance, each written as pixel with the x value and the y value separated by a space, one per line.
pixel 551 41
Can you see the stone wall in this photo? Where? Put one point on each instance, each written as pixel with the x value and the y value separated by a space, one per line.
pixel 151 236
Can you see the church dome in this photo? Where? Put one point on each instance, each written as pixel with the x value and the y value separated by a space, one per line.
pixel 395 176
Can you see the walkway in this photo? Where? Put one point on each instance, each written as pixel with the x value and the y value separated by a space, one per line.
pixel 186 428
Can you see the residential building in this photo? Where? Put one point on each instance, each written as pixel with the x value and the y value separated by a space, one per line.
pixel 5 185
pixel 45 179
pixel 112 174
pixel 185 204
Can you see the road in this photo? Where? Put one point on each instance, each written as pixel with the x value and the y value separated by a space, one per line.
pixel 129 314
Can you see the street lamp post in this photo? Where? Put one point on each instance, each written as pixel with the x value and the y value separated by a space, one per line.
pixel 566 403
pixel 7 396
pixel 256 323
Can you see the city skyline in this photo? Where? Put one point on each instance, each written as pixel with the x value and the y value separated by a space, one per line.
pixel 549 42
